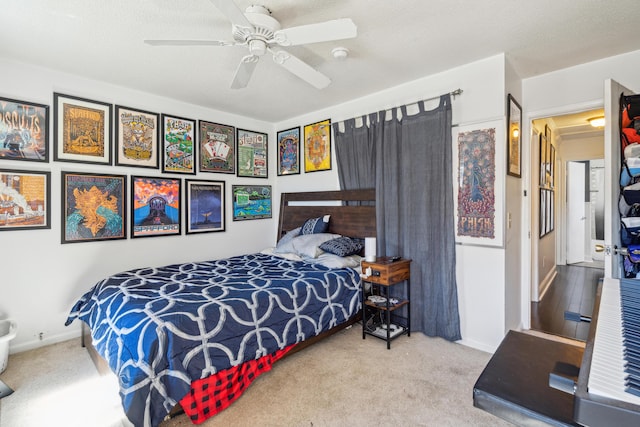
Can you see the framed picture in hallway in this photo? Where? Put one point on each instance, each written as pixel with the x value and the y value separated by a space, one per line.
pixel 514 140
pixel 479 153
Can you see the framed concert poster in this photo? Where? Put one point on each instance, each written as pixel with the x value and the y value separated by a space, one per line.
pixel 205 206
pixel 24 131
pixel 479 153
pixel 251 202
pixel 252 154
pixel 289 151
pixel 93 207
pixel 155 206
pixel 217 148
pixel 25 200
pixel 137 138
pixel 179 149
pixel 81 130
pixel 317 146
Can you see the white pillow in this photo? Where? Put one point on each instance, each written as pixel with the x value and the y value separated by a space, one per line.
pixel 285 244
pixel 335 261
pixel 308 245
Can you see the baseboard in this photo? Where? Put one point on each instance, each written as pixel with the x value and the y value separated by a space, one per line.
pixel 546 283
pixel 51 339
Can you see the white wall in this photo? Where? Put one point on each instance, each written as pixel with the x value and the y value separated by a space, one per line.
pixel 480 270
pixel 41 278
pixel 569 90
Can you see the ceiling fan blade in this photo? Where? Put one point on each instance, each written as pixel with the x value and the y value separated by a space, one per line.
pixel 244 72
pixel 337 29
pixel 301 69
pixel 233 12
pixel 189 43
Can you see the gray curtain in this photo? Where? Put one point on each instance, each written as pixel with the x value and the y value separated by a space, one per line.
pixel 356 153
pixel 412 164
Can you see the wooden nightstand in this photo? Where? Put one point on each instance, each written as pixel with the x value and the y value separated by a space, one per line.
pixel 383 274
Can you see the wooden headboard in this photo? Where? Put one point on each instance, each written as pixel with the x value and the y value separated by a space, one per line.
pixel 348 220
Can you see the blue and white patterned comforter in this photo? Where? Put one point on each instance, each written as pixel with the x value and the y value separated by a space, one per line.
pixel 162 328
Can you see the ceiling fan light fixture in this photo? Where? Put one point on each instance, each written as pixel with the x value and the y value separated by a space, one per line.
pixel 596 122
pixel 257 47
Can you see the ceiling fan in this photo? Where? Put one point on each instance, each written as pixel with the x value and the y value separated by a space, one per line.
pixel 260 32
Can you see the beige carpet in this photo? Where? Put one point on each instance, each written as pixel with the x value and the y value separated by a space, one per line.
pixel 341 381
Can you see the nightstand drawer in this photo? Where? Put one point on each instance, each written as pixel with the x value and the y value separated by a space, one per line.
pixel 386 272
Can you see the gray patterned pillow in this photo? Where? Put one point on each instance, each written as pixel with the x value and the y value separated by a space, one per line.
pixel 343 246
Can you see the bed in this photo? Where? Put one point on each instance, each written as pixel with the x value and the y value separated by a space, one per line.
pixel 193 336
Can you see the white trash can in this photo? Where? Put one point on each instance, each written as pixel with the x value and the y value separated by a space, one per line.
pixel 8 329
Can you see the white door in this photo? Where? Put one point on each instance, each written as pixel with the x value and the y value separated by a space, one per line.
pixel 576 212
pixel 612 159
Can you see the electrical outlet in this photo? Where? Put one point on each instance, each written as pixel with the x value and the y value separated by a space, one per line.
pixel 41 336
pixel 376 273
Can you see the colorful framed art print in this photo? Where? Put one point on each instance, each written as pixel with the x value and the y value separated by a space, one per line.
pixel 179 145
pixel 93 207
pixel 155 206
pixel 217 148
pixel 82 130
pixel 205 206
pixel 252 154
pixel 24 131
pixel 251 202
pixel 317 146
pixel 137 138
pixel 289 151
pixel 25 200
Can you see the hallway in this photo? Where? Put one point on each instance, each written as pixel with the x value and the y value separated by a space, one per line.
pixel 574 290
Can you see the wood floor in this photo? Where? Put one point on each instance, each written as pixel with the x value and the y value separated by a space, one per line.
pixel 574 290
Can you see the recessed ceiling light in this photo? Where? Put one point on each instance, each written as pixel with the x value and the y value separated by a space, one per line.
pixel 596 122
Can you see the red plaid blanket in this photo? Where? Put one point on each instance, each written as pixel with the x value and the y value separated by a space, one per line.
pixel 215 393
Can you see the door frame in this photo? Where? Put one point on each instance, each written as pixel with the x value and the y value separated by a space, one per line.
pixel 530 235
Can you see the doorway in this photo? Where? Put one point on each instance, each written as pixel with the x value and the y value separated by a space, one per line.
pixel 566 279
pixel 585 212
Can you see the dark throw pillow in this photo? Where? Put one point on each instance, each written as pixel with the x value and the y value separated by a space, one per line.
pixel 316 225
pixel 343 246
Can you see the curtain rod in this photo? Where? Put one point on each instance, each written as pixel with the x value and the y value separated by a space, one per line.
pixel 453 94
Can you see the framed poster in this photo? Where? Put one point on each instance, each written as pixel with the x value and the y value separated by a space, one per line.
pixel 514 140
pixel 251 202
pixel 252 154
pixel 137 138
pixel 25 200
pixel 542 218
pixel 205 206
pixel 289 151
pixel 178 145
pixel 81 130
pixel 24 131
pixel 317 146
pixel 155 206
pixel 479 153
pixel 93 207
pixel 217 148
pixel 543 160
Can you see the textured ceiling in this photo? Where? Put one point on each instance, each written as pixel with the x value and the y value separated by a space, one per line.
pixel 398 41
